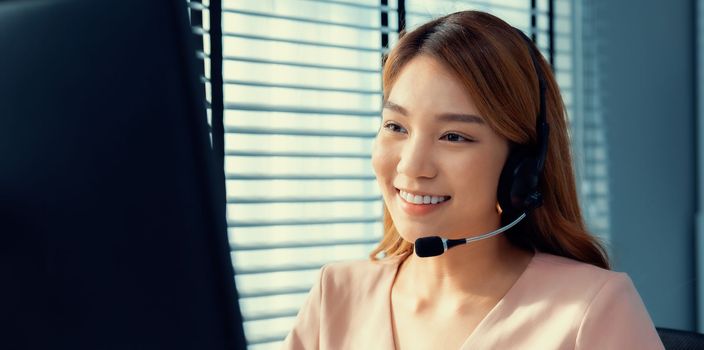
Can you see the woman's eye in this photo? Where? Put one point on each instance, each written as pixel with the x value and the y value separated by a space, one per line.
pixel 394 127
pixel 452 137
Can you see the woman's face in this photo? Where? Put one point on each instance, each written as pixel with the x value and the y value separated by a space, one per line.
pixel 436 160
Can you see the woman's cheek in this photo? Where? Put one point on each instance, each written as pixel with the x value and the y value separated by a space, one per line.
pixel 381 157
pixel 375 156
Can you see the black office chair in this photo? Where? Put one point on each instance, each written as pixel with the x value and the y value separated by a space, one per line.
pixel 681 340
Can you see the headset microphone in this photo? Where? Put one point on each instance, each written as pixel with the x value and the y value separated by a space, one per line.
pixel 518 190
pixel 434 245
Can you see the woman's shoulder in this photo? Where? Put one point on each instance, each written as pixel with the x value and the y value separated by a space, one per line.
pixel 561 263
pixel 606 306
pixel 574 277
pixel 556 264
pixel 360 273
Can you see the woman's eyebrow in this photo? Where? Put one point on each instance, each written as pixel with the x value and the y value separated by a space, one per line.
pixel 444 117
pixel 465 118
pixel 396 108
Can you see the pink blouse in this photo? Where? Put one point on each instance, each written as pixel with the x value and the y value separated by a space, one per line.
pixel 557 303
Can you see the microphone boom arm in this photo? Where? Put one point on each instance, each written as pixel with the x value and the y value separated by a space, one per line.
pixel 449 243
pixel 494 233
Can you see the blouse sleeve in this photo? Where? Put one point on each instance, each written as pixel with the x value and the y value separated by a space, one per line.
pixel 305 334
pixel 617 319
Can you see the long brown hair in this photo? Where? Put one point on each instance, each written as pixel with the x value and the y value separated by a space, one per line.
pixel 493 62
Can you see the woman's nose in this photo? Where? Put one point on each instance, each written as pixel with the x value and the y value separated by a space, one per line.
pixel 416 159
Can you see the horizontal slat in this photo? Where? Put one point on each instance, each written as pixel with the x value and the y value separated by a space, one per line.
pixel 301 64
pixel 301 110
pixel 299 177
pixel 298 132
pixel 558 51
pixel 541 12
pixel 266 339
pixel 259 200
pixel 267 315
pixel 300 87
pixel 257 293
pixel 380 8
pixel 304 42
pixel 296 154
pixel 305 244
pixel 561 34
pixel 306 233
pixel 540 32
pixel 493 5
pixel 293 222
pixel 381 29
pixel 277 268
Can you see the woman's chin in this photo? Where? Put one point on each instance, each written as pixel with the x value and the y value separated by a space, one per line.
pixel 412 237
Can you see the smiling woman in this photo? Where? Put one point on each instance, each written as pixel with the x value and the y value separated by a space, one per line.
pixel 464 150
pixel 433 143
pixel 496 79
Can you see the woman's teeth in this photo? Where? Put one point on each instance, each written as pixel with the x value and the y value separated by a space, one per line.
pixel 418 199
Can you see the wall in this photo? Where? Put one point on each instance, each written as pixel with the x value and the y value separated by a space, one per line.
pixel 649 111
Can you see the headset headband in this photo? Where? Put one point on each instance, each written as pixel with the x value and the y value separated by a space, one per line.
pixel 541 122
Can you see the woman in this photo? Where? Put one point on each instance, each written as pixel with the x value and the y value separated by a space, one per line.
pixel 466 148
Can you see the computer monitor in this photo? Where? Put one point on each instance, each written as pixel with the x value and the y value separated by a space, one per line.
pixel 112 208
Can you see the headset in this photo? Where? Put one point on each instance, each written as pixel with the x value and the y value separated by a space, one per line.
pixel 518 190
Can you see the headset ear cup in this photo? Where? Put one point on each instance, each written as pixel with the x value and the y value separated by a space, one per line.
pixel 506 181
pixel 525 183
pixel 518 184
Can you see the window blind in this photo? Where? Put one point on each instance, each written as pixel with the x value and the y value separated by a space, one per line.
pixel 589 138
pixel 302 97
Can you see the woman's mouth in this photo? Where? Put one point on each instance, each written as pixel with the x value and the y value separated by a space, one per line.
pixel 420 203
